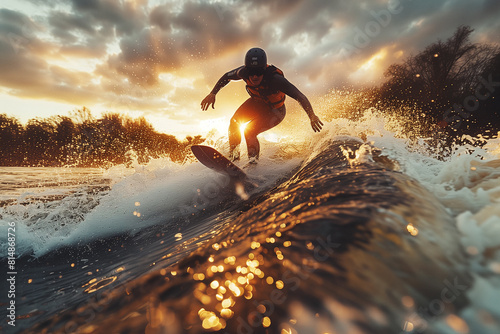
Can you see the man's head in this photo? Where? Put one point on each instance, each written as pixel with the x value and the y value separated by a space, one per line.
pixel 255 64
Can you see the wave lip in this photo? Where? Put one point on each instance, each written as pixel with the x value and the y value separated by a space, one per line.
pixel 346 244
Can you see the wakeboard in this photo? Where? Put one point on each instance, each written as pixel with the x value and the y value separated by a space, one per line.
pixel 213 159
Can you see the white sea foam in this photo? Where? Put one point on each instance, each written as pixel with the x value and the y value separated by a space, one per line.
pixel 157 193
pixel 467 182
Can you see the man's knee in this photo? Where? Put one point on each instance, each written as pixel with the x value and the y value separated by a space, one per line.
pixel 251 131
pixel 277 117
pixel 234 124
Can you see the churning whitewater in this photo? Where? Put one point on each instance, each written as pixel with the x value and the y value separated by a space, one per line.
pixel 355 230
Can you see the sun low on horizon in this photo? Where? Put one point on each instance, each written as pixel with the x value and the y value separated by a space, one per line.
pixel 159 59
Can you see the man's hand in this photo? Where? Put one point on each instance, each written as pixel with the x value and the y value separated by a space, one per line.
pixel 207 101
pixel 316 123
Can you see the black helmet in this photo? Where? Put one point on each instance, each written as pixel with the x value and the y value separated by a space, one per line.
pixel 256 57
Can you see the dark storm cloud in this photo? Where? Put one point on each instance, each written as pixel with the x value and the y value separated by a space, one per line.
pixel 176 37
pixel 17 40
pixel 25 71
pixel 415 24
pixel 80 35
pixel 313 17
pixel 205 30
pixel 64 22
pixel 143 56
pixel 325 42
pixel 122 14
pixel 26 53
pixel 12 22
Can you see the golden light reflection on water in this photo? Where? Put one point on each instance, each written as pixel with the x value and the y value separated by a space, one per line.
pixel 412 230
pixel 458 324
pixel 407 302
pixel 210 320
pixel 93 285
pixel 408 327
pixel 221 286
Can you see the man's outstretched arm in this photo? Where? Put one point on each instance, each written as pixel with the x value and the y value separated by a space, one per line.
pixel 223 81
pixel 289 89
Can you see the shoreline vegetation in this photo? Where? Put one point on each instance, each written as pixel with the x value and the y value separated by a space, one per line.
pixel 84 141
pixel 450 89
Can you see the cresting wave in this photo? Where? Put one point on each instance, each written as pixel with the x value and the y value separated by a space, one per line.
pixel 350 242
pixel 125 202
pixel 346 244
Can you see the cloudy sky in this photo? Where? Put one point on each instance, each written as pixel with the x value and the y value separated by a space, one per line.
pixel 159 59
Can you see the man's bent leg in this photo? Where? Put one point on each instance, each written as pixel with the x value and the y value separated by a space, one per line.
pixel 234 135
pixel 268 120
pixel 253 145
pixel 249 110
pixel 234 140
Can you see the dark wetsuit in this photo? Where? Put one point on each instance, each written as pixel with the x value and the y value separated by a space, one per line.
pixel 260 114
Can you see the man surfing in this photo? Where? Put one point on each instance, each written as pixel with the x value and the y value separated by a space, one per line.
pixel 265 108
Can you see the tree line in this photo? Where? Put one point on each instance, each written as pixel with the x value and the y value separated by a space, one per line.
pixel 450 89
pixel 453 85
pixel 85 141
